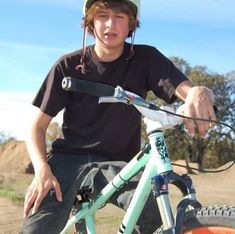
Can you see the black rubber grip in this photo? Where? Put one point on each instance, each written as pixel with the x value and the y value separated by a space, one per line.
pixel 87 87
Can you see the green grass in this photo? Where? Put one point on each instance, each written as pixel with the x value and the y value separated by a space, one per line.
pixel 10 193
pixel 13 187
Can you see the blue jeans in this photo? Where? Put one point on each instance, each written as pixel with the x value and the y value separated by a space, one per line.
pixel 73 172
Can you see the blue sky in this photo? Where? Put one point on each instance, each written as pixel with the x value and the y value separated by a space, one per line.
pixel 35 33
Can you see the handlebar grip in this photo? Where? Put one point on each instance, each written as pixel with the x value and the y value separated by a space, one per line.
pixel 87 87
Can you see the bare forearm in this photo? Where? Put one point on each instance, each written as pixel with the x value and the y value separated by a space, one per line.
pixel 182 89
pixel 36 145
pixel 36 142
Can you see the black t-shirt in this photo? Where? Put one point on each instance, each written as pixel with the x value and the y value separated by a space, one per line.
pixel 108 130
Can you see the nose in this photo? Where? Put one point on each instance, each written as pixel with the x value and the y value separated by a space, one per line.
pixel 110 23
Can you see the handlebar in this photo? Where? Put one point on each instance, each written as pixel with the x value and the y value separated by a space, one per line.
pixel 127 97
pixel 156 116
pixel 88 87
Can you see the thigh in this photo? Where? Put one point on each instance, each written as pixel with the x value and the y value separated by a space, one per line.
pixel 100 173
pixel 53 215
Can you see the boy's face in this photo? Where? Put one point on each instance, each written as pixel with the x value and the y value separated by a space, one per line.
pixel 111 28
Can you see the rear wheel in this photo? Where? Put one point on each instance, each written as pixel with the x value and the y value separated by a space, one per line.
pixel 209 220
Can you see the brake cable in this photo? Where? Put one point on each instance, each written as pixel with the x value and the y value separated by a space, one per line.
pixel 202 170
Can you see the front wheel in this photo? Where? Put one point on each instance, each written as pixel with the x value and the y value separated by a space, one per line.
pixel 209 220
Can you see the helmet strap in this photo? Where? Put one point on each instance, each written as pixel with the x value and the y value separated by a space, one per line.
pixel 131 54
pixel 82 65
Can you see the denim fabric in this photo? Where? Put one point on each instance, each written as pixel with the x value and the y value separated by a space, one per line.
pixel 74 172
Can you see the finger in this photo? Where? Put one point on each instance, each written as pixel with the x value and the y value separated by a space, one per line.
pixel 212 117
pixel 37 202
pixel 58 192
pixel 202 126
pixel 28 203
pixel 208 114
pixel 189 123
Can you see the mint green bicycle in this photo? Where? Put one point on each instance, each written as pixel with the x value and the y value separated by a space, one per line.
pixel 190 216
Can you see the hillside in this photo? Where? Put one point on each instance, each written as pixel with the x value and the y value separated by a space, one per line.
pixel 14 158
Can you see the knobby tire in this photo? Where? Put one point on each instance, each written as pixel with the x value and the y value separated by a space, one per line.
pixel 208 220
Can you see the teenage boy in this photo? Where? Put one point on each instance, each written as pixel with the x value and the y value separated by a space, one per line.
pixel 98 140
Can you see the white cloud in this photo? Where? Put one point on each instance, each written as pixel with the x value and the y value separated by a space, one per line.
pixel 16 113
pixel 30 48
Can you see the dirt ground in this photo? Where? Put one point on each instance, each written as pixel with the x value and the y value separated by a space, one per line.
pixel 211 189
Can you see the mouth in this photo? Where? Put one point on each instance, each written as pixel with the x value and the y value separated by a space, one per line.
pixel 110 35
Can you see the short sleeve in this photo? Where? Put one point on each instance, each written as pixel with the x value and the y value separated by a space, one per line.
pixel 51 98
pixel 164 76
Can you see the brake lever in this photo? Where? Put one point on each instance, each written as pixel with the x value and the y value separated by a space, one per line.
pixel 127 97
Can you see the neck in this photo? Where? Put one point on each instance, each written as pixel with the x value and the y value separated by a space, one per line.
pixel 104 54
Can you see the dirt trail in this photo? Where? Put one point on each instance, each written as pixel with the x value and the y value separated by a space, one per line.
pixel 211 189
pixel 10 217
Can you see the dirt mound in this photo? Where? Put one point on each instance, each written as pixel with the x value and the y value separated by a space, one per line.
pixel 14 158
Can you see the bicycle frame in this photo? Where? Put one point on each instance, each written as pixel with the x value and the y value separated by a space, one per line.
pixel 156 162
pixel 157 169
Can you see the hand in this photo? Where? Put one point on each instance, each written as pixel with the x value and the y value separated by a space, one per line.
pixel 199 103
pixel 42 183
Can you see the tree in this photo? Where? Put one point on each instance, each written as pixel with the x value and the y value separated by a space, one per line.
pixel 218 147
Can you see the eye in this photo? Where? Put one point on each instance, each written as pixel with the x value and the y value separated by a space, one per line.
pixel 102 15
pixel 120 16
